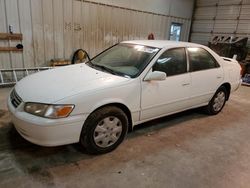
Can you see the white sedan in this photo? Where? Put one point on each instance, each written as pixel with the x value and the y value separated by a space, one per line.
pixel 95 103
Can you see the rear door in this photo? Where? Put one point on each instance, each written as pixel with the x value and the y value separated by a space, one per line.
pixel 206 75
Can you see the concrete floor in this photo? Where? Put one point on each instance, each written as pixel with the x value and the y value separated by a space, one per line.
pixel 189 149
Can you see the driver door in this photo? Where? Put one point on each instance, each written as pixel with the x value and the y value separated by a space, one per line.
pixel 159 98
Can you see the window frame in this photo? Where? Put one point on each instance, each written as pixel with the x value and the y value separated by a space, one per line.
pixel 190 64
pixel 186 57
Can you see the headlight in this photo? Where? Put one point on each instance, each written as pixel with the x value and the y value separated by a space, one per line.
pixel 48 110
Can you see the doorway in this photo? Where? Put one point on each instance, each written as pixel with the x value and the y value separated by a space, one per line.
pixel 175 32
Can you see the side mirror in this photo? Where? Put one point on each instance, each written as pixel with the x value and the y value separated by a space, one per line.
pixel 156 75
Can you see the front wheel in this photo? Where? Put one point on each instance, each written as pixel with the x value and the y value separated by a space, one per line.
pixel 104 130
pixel 218 101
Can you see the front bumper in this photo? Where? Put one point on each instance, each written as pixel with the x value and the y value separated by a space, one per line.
pixel 46 132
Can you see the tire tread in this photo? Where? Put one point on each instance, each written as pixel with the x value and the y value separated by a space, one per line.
pixel 86 134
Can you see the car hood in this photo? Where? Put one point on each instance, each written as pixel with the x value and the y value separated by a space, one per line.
pixel 59 83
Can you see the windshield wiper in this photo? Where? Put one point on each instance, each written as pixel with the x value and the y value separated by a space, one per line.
pixel 105 69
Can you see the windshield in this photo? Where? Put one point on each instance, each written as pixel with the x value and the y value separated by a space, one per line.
pixel 127 60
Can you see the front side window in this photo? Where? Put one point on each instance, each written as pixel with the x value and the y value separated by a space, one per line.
pixel 127 60
pixel 172 62
pixel 200 59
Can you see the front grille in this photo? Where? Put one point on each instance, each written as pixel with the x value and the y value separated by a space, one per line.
pixel 15 99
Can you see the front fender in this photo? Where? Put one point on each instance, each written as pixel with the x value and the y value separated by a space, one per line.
pixel 127 95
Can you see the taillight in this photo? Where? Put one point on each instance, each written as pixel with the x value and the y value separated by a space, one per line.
pixel 241 71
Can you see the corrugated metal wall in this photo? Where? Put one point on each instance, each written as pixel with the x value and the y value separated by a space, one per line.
pixel 54 29
pixel 220 17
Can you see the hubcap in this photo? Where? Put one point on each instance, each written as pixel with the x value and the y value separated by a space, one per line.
pixel 107 131
pixel 219 101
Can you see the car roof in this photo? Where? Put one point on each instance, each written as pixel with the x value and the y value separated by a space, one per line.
pixel 163 43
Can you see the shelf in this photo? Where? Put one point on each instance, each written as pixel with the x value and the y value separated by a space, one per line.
pixel 9 36
pixel 8 49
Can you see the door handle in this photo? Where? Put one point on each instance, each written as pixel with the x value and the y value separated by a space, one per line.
pixel 185 84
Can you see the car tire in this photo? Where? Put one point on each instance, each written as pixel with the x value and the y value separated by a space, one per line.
pixel 104 130
pixel 218 101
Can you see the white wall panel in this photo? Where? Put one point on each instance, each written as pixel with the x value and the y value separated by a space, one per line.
pixel 245 12
pixel 58 28
pixel 201 3
pixel 244 27
pixel 188 28
pixel 229 2
pixel 200 38
pixel 156 6
pixel 205 13
pixel 246 2
pixel 26 29
pixel 4 57
pixel 228 12
pixel 178 8
pixel 48 30
pixel 68 27
pixel 77 24
pixel 54 29
pixel 225 26
pixel 38 32
pixel 12 18
pixel 202 26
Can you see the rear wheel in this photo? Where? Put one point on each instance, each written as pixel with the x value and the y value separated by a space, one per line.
pixel 104 130
pixel 218 101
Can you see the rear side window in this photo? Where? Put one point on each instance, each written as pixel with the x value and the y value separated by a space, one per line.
pixel 172 62
pixel 200 59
